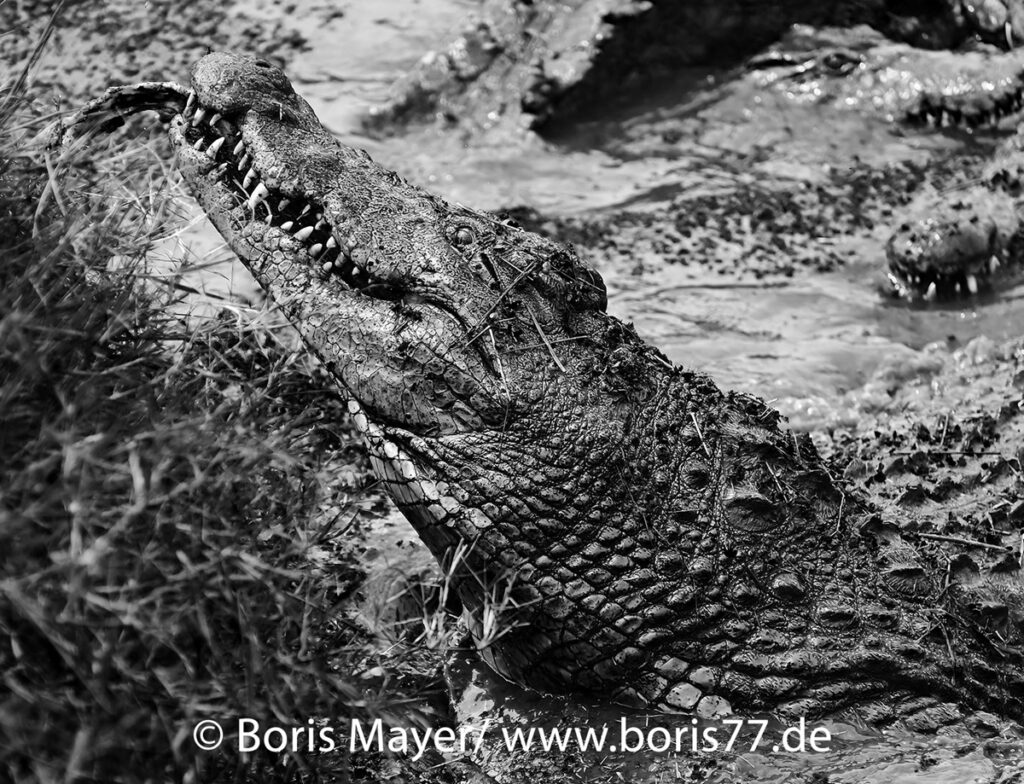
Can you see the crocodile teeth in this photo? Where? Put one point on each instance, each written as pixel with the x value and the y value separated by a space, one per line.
pixel 287 226
pixel 260 192
pixel 243 162
pixel 249 177
pixel 304 210
pixel 198 143
pixel 190 104
pixel 932 292
pixel 239 148
pixel 316 250
pixel 198 117
pixel 972 284
pixel 303 234
pixel 331 243
pixel 215 119
pixel 957 288
pixel 214 148
pixel 993 264
pixel 283 205
pixel 327 266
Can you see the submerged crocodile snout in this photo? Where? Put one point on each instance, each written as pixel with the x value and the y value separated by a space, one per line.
pixel 957 249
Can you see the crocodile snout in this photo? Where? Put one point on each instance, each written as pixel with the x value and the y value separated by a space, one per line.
pixel 956 249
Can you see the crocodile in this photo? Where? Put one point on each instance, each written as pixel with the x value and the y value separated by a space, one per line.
pixel 965 241
pixel 531 64
pixel 944 246
pixel 612 524
pixel 859 69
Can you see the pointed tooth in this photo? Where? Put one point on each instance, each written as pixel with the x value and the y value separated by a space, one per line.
pixel 214 148
pixel 303 234
pixel 993 264
pixel 190 104
pixel 320 223
pixel 283 204
pixel 331 242
pixel 304 210
pixel 222 170
pixel 259 193
pixel 216 118
pixel 316 250
pixel 287 225
pixel 243 162
pixel 932 292
pixel 249 177
pixel 198 144
pixel 198 116
pixel 239 148
pixel 972 284
pixel 327 266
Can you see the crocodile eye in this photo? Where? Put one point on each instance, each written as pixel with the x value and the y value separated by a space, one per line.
pixel 840 62
pixel 463 236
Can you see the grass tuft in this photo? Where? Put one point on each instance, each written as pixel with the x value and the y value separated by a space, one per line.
pixel 169 531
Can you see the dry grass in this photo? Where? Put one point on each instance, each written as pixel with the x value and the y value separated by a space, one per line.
pixel 157 489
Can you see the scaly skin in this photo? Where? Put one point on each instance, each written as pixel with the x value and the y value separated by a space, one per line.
pixel 618 525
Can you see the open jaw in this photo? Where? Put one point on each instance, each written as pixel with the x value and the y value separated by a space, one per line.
pixel 962 246
pixel 283 218
pixel 934 284
pixel 213 143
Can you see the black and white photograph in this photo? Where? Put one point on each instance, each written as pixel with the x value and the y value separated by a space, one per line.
pixel 512 391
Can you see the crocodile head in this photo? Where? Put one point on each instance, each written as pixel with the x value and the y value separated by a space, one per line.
pixel 462 341
pixel 959 247
pixel 433 316
pixel 859 69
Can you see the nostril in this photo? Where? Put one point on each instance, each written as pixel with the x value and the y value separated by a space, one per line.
pixel 261 63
